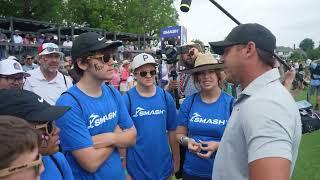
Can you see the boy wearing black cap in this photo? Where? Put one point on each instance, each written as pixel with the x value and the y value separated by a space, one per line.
pixel 41 115
pixel 262 138
pixel 88 130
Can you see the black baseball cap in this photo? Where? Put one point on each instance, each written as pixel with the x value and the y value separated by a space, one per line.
pixel 90 42
pixel 242 34
pixel 29 106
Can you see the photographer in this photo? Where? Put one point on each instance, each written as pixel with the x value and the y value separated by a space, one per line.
pixel 184 82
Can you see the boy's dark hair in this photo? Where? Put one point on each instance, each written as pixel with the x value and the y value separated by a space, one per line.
pixel 83 59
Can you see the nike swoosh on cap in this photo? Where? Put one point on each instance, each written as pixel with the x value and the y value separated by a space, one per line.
pixel 100 39
pixel 40 100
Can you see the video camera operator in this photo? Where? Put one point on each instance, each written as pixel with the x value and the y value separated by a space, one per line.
pixel 184 82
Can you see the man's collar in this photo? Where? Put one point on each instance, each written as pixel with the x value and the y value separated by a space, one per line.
pixel 261 82
pixel 41 76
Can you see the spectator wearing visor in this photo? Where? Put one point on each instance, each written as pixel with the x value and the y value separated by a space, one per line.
pixel 98 122
pixel 20 159
pixel 12 75
pixel 41 116
pixel 46 80
pixel 154 115
pixel 203 117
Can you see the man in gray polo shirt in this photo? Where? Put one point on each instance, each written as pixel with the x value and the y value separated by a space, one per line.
pixel 262 138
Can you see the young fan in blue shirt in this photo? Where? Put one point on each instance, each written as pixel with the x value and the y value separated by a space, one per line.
pixel 203 117
pixel 154 115
pixel 41 116
pixel 90 131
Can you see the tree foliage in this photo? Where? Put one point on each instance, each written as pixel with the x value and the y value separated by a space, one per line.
pixel 313 54
pixel 198 41
pixel 33 9
pixel 297 56
pixel 306 44
pixel 135 16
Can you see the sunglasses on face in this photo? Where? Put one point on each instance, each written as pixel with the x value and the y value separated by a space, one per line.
pixel 51 49
pixel 36 165
pixel 46 127
pixel 144 73
pixel 105 58
pixel 29 58
pixel 11 80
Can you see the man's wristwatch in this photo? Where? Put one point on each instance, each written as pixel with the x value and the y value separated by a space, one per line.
pixel 184 140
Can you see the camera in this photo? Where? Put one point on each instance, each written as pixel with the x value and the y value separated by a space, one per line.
pixel 169 54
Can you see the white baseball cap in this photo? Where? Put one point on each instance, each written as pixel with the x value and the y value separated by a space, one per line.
pixel 13 58
pixel 49 48
pixel 142 59
pixel 10 67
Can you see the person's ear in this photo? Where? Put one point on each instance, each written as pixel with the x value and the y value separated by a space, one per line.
pixel 250 49
pixel 82 65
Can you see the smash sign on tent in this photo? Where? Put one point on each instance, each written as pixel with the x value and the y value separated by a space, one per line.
pixel 179 33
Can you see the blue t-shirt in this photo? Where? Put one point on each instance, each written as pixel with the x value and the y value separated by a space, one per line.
pixel 150 158
pixel 315 78
pixel 204 122
pixel 52 172
pixel 98 115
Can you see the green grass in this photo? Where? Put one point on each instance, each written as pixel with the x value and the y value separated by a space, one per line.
pixel 308 162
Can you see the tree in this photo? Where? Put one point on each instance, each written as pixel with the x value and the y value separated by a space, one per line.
pixel 306 44
pixel 198 41
pixel 297 56
pixel 33 9
pixel 313 54
pixel 135 16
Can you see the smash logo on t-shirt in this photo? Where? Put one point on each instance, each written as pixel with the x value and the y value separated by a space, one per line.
pixel 95 120
pixel 196 117
pixel 142 112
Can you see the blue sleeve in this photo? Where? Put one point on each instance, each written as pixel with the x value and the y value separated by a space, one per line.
pixel 183 116
pixel 125 99
pixel 125 121
pixel 74 133
pixel 171 112
pixel 67 172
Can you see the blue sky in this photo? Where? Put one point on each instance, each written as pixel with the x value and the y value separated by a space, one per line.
pixel 290 20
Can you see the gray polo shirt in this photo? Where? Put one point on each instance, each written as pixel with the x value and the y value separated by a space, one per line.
pixel 265 122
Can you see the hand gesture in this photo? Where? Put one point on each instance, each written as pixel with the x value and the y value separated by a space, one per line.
pixel 193 146
pixel 209 146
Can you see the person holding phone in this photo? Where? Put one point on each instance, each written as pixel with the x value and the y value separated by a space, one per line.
pixel 203 117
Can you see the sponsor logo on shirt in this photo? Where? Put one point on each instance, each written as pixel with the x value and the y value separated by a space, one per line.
pixel 142 112
pixel 196 117
pixel 95 120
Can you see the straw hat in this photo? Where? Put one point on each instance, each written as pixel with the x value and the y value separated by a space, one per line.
pixel 204 62
pixel 124 62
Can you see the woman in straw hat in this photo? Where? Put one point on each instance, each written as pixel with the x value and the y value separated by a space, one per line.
pixel 203 117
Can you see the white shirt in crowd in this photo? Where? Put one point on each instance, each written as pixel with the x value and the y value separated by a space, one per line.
pixel 50 91
pixel 17 39
pixel 67 44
